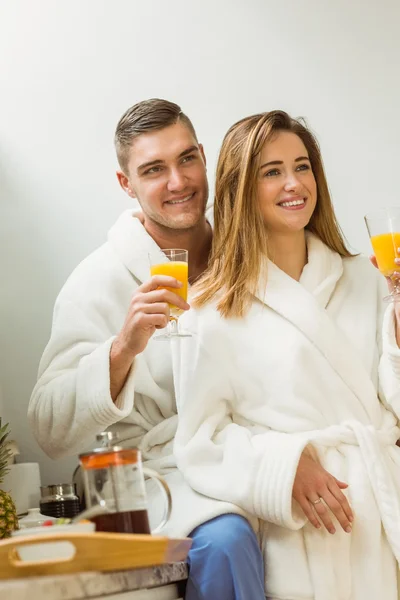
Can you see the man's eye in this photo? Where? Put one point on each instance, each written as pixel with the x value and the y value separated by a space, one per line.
pixel 272 173
pixel 188 158
pixel 152 170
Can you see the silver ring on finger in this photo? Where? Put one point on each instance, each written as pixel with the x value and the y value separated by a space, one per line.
pixel 316 501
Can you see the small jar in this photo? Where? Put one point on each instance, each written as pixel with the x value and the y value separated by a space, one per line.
pixel 59 500
pixel 34 518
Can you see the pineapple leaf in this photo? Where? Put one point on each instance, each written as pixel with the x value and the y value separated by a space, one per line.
pixel 3 472
pixel 5 454
pixel 3 439
pixel 3 431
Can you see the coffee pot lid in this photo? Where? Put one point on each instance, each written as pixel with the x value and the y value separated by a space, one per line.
pixel 108 441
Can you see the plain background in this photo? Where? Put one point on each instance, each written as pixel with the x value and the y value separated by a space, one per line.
pixel 69 69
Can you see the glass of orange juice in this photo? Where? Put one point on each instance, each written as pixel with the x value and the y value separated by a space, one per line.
pixel 175 266
pixel 384 231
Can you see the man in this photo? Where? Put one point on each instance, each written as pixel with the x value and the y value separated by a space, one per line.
pixel 100 368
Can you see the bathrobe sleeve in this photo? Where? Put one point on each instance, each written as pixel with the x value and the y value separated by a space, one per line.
pixel 220 452
pixel 71 401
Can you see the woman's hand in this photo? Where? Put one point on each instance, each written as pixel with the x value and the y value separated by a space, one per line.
pixel 316 491
pixel 390 287
pixel 396 274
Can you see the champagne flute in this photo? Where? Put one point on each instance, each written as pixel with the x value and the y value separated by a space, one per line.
pixel 384 230
pixel 177 267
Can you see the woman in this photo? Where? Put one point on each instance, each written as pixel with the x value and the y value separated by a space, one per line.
pixel 285 387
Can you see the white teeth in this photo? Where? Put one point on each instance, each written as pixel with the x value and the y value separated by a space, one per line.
pixel 293 203
pixel 180 201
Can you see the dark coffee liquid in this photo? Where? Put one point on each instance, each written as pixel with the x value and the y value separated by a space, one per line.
pixel 132 521
pixel 60 508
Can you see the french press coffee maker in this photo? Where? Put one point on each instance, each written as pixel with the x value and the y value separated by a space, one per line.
pixel 115 489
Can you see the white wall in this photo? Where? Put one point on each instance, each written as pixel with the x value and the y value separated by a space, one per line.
pixel 68 69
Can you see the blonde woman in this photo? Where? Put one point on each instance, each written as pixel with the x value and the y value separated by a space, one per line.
pixel 288 391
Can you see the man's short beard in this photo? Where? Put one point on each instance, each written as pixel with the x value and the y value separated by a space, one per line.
pixel 174 223
pixel 179 224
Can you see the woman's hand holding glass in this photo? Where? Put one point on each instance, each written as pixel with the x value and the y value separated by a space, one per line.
pixel 384 230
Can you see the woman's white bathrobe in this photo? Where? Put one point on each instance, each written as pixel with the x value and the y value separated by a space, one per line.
pixel 303 367
pixel 71 401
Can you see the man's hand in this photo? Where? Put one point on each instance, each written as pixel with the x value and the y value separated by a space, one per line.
pixel 148 311
pixel 316 491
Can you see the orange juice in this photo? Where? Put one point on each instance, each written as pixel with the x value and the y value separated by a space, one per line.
pixel 179 270
pixel 385 249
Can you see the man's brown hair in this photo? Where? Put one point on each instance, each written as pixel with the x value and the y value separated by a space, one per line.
pixel 148 115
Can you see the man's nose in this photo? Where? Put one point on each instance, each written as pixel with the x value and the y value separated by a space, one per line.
pixel 176 181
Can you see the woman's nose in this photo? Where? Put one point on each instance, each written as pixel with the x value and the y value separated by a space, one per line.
pixel 291 182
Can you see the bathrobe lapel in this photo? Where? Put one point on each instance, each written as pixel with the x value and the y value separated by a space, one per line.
pixel 134 246
pixel 307 311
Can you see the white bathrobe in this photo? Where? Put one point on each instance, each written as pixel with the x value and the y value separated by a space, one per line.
pixel 303 367
pixel 71 401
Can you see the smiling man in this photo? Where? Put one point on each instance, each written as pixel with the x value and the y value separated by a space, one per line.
pixel 101 370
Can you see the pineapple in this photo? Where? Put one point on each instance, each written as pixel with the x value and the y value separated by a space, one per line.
pixel 8 513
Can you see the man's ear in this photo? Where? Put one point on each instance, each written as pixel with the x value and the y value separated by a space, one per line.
pixel 124 183
pixel 202 153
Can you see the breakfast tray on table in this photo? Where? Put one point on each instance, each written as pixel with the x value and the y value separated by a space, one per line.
pixel 95 551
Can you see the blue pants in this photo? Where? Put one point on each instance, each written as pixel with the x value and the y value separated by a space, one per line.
pixel 225 561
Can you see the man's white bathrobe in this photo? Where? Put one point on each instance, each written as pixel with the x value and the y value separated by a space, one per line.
pixel 71 401
pixel 305 366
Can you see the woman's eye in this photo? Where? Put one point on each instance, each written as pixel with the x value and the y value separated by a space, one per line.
pixel 272 173
pixel 304 167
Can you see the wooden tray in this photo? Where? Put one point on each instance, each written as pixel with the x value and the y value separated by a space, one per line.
pixel 93 552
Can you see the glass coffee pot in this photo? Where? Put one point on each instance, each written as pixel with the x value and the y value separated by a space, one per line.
pixel 115 489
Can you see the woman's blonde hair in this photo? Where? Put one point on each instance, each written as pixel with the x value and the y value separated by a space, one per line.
pixel 240 235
